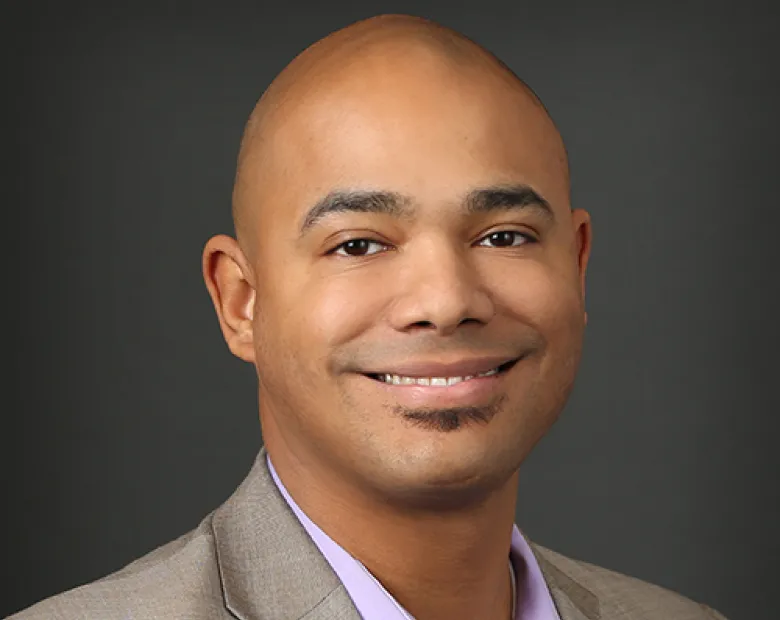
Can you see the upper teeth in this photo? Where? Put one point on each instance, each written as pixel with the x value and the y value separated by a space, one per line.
pixel 437 381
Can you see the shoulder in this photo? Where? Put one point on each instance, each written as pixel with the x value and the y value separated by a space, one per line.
pixel 617 595
pixel 179 579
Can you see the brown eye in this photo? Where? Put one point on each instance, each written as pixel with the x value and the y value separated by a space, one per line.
pixel 504 239
pixel 359 247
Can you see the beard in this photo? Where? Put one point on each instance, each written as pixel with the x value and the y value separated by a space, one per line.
pixel 449 419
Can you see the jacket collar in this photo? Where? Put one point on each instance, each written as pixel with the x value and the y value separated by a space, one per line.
pixel 268 565
pixel 572 599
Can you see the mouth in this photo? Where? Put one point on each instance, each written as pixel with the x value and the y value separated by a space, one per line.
pixel 443 380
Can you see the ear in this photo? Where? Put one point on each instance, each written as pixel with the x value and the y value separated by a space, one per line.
pixel 229 282
pixel 583 237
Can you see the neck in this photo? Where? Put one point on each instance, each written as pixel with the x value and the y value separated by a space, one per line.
pixel 450 563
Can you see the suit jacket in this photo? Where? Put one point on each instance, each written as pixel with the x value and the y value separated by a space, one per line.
pixel 251 559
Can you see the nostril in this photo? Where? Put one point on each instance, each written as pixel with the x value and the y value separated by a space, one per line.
pixel 423 324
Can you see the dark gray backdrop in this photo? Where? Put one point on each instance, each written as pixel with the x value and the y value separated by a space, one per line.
pixel 126 418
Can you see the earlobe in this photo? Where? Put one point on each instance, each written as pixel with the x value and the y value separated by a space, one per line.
pixel 228 280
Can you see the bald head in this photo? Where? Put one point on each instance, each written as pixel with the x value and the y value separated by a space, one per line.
pixel 394 65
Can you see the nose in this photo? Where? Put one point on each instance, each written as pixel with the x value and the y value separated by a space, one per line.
pixel 439 289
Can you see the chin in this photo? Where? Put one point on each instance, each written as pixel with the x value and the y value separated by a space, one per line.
pixel 439 477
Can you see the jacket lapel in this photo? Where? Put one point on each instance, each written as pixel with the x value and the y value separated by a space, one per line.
pixel 270 568
pixel 573 600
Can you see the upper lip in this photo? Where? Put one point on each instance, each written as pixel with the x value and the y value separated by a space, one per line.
pixel 459 368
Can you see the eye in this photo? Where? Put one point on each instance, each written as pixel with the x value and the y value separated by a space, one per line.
pixel 359 247
pixel 505 239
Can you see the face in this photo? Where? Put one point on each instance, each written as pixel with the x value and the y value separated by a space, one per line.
pixel 422 332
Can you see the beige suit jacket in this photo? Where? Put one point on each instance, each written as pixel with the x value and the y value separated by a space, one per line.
pixel 251 559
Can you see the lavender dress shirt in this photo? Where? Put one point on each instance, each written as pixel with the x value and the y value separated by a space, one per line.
pixel 374 602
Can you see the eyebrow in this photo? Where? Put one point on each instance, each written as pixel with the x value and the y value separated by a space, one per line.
pixel 483 200
pixel 508 197
pixel 356 201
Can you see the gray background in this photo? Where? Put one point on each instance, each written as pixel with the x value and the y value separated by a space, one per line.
pixel 126 418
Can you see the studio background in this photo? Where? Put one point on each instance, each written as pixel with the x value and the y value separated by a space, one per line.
pixel 126 418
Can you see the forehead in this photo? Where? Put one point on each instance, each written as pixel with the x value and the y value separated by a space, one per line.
pixel 432 136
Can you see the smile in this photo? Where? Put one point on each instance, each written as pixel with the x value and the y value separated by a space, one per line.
pixel 443 381
pixel 436 381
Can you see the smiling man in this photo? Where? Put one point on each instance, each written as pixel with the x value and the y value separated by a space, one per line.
pixel 408 280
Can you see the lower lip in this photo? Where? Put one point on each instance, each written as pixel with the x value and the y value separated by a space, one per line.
pixel 469 393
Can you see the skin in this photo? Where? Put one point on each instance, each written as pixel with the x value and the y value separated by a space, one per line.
pixel 421 488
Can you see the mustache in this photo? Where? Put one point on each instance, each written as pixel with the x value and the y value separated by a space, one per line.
pixel 377 354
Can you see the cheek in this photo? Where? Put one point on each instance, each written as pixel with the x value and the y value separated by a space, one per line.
pixel 304 319
pixel 539 294
pixel 339 308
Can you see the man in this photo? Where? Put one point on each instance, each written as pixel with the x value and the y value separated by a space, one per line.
pixel 408 280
